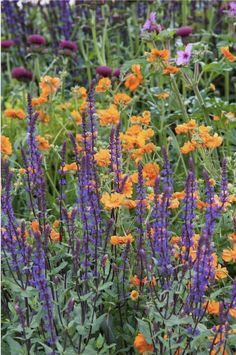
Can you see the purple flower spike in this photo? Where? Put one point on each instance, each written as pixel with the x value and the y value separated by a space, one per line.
pixel 7 43
pixel 21 73
pixel 69 45
pixel 104 71
pixel 184 31
pixel 184 56
pixel 36 39
pixel 232 9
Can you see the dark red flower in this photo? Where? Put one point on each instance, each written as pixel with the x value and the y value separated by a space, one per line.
pixel 104 71
pixel 184 31
pixel 70 45
pixel 21 73
pixel 116 72
pixel 7 43
pixel 36 39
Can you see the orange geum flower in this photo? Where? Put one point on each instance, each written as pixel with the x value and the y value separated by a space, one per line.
pixel 186 127
pixel 134 295
pixel 232 236
pixel 135 281
pixel 49 85
pixel 117 240
pixel 229 254
pixel 150 173
pixel 77 117
pixel 146 117
pixel 70 167
pixel 103 85
pixel 129 204
pixel 227 54
pixel 113 200
pixel 174 203
pixel 55 236
pixel 103 157
pixel 179 195
pixel 220 351
pixel 212 307
pixel 36 101
pixel 163 95
pixel 232 312
pixel 170 70
pixel 187 147
pixel 6 147
pixel 56 223
pixel 35 226
pixel 43 143
pixel 43 116
pixel 141 344
pixel 121 98
pixel 163 54
pixel 221 272
pixel 80 92
pixel 109 116
pixel 11 113
pixel 134 80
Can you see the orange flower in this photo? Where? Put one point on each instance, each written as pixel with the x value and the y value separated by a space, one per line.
pixel 220 351
pixel 55 236
pixel 141 344
pixel 170 70
pixel 6 147
pixel 77 117
pixel 229 254
pixel 174 203
pixel 134 80
pixel 20 114
pixel 187 147
pixel 43 143
pixel 70 167
pixel 186 127
pixel 232 236
pixel 163 54
pixel 121 98
pixel 146 117
pixel 213 307
pixel 150 173
pixel 227 54
pixel 163 95
pixel 134 295
pixel 36 101
pixel 116 240
pixel 43 116
pixel 49 85
pixel 56 223
pixel 232 312
pixel 80 92
pixel 103 85
pixel 129 204
pixel 113 200
pixel 135 281
pixel 103 157
pixel 35 226
pixel 221 272
pixel 109 115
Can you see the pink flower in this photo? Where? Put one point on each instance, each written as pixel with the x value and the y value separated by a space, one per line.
pixel 183 57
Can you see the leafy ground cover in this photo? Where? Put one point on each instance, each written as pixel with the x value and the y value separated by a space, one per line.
pixel 118 177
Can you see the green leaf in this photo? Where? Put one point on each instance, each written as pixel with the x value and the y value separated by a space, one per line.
pixel 99 341
pixel 105 286
pixel 144 329
pixel 127 65
pixel 98 322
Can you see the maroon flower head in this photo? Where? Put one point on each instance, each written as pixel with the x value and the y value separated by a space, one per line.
pixel 104 71
pixel 116 72
pixel 69 45
pixel 36 39
pixel 7 43
pixel 184 31
pixel 21 73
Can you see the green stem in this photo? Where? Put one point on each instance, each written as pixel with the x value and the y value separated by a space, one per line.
pixel 184 11
pixel 227 86
pixel 179 97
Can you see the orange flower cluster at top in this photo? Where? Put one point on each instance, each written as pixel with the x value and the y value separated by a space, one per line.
pixel 135 139
pixel 121 99
pixel 144 119
pixel 227 54
pixel 200 137
pixel 103 157
pixel 163 54
pixel 43 143
pixel 113 200
pixel 6 147
pixel 109 116
pixel 141 344
pixel 134 80
pixel 48 85
pixel 117 240
pixel 11 113
pixel 103 85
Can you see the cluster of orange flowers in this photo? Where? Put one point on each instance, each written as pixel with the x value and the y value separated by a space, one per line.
pixel 135 79
pixel 6 147
pixel 200 137
pixel 213 307
pixel 120 240
pixel 163 55
pixel 142 345
pixel 15 113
